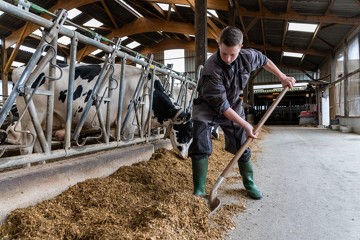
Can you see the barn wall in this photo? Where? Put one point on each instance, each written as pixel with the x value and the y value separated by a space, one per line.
pixel 190 63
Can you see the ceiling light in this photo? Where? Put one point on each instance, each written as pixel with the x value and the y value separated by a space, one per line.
pixel 165 7
pixel 24 48
pixel 60 58
pixel 70 27
pixel 93 23
pixel 133 45
pixel 212 13
pixel 17 64
pixel 64 40
pixel 73 13
pixel 293 54
pixel 96 52
pixel 37 33
pixel 182 5
pixel 27 49
pixel 302 27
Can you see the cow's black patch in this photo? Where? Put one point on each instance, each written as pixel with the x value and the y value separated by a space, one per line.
pixel 62 65
pixel 87 72
pixel 78 92
pixel 62 95
pixel 79 110
pixel 40 80
pixel 184 132
pixel 163 107
pixel 88 95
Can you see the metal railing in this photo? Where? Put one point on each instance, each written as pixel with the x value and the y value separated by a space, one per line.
pixel 45 55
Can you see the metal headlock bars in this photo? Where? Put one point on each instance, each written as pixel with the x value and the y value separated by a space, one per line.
pixel 47 48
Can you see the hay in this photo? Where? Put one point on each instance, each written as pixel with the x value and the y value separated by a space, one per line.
pixel 148 200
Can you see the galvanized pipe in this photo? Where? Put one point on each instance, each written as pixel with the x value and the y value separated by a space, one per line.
pixel 73 50
pixel 76 37
pixel 62 153
pixel 28 16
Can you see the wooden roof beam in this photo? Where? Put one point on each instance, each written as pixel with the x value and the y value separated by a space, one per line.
pixel 294 16
pixel 288 49
pixel 211 4
pixel 143 25
pixel 157 8
pixel 109 14
pixel 167 44
pixel 64 4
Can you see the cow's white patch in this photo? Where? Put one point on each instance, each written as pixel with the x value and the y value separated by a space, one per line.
pixel 181 148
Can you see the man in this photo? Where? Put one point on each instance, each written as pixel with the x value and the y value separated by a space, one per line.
pixel 225 75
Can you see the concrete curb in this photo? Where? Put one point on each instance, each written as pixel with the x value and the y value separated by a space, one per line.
pixel 26 187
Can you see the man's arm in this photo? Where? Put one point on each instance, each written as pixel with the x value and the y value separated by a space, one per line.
pixel 234 117
pixel 285 80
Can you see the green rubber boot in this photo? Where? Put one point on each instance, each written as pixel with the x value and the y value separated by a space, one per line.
pixel 246 173
pixel 199 169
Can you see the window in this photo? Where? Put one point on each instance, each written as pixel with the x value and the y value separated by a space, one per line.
pixel 339 87
pixel 176 58
pixel 353 87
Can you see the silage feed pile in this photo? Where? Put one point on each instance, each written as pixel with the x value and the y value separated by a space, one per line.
pixel 148 200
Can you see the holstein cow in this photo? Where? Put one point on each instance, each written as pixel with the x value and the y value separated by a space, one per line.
pixel 181 131
pixel 164 109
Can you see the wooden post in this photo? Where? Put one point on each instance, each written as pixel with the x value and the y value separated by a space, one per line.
pixel 232 13
pixel 4 75
pixel 200 32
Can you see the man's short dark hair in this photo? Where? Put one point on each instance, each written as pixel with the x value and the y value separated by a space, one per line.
pixel 231 36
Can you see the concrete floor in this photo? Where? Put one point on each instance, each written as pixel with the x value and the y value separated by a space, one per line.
pixel 310 179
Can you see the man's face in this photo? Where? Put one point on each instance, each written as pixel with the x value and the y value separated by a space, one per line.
pixel 229 54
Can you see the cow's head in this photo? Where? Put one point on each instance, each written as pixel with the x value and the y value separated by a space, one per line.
pixel 180 129
pixel 181 137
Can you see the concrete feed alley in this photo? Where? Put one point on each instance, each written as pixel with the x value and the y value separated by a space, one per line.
pixel 310 181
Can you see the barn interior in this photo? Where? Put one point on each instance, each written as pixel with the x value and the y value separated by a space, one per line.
pixel 317 42
pixel 308 53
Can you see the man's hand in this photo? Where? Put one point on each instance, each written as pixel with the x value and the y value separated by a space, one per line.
pixel 234 117
pixel 285 80
pixel 288 81
pixel 249 129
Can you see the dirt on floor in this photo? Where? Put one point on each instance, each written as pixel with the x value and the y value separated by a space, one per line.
pixel 148 200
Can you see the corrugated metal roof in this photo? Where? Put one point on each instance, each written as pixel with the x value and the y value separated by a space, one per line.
pixel 264 24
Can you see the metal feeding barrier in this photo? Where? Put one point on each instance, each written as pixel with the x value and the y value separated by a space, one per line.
pixel 45 55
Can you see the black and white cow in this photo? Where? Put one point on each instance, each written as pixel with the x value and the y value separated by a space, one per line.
pixel 164 109
pixel 181 131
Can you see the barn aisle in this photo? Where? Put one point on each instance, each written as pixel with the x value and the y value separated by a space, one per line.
pixel 310 180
